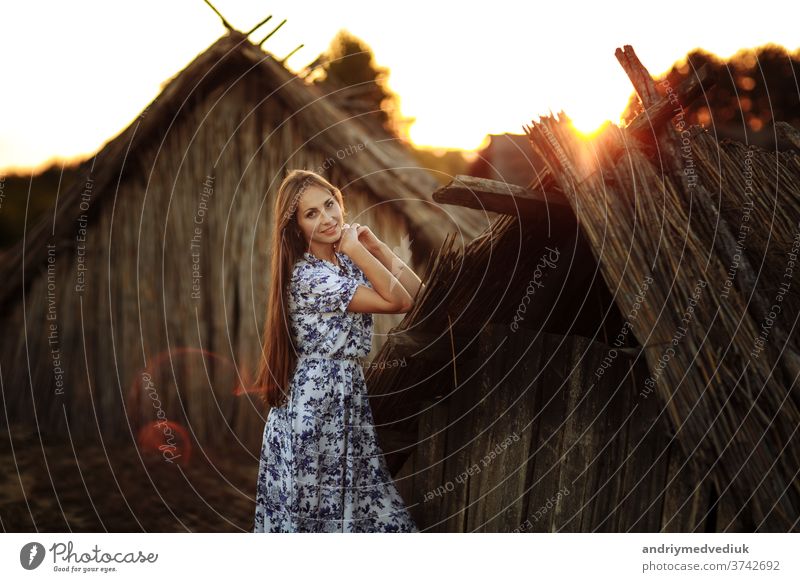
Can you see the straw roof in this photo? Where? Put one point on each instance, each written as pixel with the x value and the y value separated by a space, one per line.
pixel 384 164
pixel 697 241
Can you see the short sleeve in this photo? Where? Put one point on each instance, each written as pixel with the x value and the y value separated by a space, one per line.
pixel 323 291
pixel 363 278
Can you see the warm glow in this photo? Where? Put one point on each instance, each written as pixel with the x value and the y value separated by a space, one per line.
pixel 76 74
pixel 588 123
pixel 589 131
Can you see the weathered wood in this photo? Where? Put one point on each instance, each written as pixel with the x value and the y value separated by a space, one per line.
pixel 463 404
pixel 430 458
pixel 640 79
pixel 664 133
pixel 495 196
pixel 547 446
pixel 664 109
pixel 645 467
pixel 582 437
pixel 404 480
pixel 685 492
pixel 603 478
pixel 498 491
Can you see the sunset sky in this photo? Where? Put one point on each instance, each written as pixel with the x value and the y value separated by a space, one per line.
pixel 77 73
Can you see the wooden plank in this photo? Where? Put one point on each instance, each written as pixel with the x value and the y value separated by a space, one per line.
pixel 685 493
pixel 426 507
pixel 404 480
pixel 464 414
pixel 728 516
pixel 639 509
pixel 495 196
pixel 492 352
pixel 604 477
pixel 581 434
pixel 547 446
pixel 499 490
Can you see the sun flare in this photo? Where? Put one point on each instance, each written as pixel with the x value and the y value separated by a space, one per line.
pixel 588 127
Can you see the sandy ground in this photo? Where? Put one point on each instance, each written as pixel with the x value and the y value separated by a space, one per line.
pixel 49 487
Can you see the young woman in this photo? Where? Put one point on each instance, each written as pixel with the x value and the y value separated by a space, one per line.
pixel 321 468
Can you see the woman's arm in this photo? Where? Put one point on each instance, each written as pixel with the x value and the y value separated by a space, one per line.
pixel 407 277
pixel 386 296
pixel 381 251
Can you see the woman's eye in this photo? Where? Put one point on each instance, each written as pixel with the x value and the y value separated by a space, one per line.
pixel 313 212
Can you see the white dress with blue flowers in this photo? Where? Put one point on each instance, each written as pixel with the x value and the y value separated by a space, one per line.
pixel 321 467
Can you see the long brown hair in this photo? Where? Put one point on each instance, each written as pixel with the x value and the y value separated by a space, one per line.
pixel 278 354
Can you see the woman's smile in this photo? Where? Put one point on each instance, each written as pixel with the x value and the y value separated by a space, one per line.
pixel 331 230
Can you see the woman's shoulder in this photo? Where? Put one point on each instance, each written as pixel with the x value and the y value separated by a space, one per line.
pixel 307 269
pixel 300 266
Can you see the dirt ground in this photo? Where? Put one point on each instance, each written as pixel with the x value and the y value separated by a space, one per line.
pixel 51 487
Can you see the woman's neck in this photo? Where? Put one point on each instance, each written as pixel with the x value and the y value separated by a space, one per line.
pixel 325 252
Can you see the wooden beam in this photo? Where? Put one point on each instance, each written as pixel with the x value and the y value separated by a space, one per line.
pixel 666 108
pixel 495 196
pixel 640 78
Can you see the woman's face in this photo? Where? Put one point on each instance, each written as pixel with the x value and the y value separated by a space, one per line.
pixel 319 216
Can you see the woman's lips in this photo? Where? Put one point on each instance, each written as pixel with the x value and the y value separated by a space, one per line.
pixel 330 230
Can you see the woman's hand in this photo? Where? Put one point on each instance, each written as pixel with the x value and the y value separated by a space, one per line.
pixel 368 238
pixel 349 238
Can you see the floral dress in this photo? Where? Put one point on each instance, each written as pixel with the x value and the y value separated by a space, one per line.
pixel 321 468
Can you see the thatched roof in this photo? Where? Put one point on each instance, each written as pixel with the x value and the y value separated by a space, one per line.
pixel 695 239
pixel 383 165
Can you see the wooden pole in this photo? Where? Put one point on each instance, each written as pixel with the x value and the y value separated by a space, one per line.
pixel 225 23
pixel 257 26
pixel 286 58
pixel 274 30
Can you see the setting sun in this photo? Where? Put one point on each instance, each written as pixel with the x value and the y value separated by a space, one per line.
pixel 590 123
pixel 479 78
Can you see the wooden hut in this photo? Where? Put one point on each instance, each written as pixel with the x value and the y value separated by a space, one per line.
pixel 141 297
pixel 615 353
